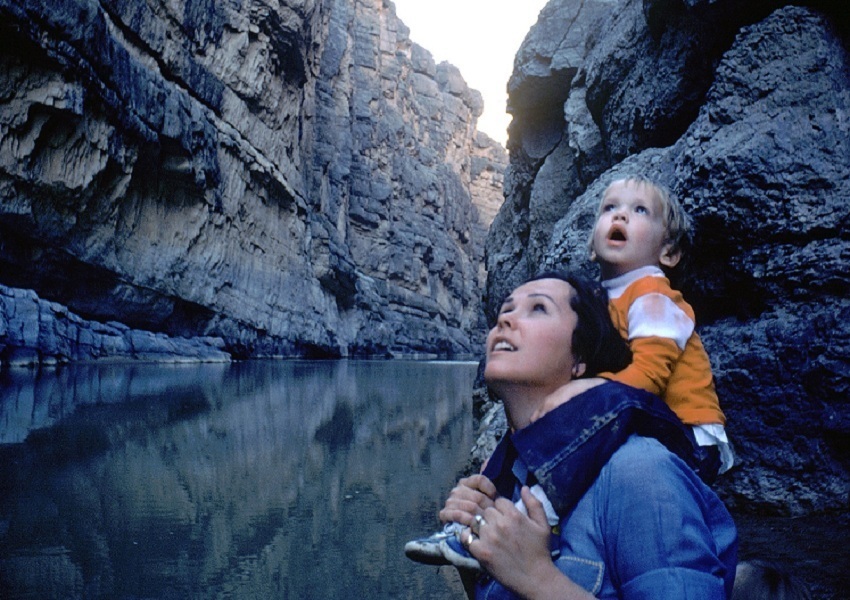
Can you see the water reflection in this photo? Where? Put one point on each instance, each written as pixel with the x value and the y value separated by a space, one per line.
pixel 250 480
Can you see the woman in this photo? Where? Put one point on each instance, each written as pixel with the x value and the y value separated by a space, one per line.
pixel 636 521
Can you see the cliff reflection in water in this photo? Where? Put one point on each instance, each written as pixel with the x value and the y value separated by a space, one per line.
pixel 249 480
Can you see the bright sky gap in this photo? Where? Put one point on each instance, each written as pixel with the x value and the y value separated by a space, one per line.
pixel 479 37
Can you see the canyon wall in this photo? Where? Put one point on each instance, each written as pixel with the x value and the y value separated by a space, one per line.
pixel 287 178
pixel 298 178
pixel 743 110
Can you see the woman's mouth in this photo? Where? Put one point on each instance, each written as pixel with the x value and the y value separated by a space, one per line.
pixel 503 346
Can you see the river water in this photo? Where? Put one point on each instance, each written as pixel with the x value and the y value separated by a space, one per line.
pixel 261 479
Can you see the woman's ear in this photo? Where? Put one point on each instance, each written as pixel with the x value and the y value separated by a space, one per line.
pixel 579 369
pixel 669 257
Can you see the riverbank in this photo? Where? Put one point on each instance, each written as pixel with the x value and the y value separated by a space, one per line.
pixel 37 332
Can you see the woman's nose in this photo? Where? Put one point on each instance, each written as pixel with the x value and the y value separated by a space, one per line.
pixel 504 320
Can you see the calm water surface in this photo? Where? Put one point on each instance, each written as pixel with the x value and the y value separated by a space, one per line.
pixel 267 479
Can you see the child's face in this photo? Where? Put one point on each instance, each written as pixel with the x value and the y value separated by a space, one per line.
pixel 630 231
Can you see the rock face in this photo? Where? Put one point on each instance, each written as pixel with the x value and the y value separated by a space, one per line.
pixel 745 114
pixel 35 332
pixel 294 178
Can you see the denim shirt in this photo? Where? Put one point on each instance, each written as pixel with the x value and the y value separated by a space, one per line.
pixel 636 520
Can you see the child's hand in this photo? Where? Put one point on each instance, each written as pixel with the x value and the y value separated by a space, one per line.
pixel 565 393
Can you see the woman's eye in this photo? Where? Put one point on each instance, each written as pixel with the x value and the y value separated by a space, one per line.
pixel 539 308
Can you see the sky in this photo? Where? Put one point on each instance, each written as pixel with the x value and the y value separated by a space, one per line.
pixel 479 37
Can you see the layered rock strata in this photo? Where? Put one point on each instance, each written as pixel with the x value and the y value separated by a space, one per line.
pixel 295 178
pixel 38 332
pixel 745 114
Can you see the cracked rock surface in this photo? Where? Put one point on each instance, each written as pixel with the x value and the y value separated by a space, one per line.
pixel 745 115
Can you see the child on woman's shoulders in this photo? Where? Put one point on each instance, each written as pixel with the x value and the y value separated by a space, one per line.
pixel 639 233
pixel 640 230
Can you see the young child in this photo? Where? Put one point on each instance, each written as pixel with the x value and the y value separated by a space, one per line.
pixel 640 229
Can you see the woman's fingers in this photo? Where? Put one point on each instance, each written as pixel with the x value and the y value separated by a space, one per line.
pixel 536 512
pixel 514 549
pixel 510 540
pixel 459 511
pixel 477 523
pixel 470 497
pixel 482 484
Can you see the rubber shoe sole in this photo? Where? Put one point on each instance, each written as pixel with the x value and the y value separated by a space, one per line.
pixel 456 554
pixel 427 550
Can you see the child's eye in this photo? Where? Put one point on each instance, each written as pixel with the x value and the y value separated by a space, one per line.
pixel 608 207
pixel 641 210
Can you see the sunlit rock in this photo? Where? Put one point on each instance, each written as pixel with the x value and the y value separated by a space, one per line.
pixel 295 178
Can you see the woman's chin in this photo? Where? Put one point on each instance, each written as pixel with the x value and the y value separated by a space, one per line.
pixel 500 381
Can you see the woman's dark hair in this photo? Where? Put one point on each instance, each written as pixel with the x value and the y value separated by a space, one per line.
pixel 596 342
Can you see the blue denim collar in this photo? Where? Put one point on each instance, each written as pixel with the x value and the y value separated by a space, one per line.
pixel 567 447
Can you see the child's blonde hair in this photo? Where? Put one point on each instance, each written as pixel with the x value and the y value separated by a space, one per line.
pixel 676 220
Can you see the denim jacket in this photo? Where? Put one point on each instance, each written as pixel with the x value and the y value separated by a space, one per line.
pixel 636 520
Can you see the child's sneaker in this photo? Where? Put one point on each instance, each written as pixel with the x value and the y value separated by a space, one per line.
pixel 427 550
pixel 456 553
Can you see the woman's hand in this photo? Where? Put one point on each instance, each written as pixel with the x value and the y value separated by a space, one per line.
pixel 514 549
pixel 471 496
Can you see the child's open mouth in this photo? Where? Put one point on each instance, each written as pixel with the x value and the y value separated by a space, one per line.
pixel 616 235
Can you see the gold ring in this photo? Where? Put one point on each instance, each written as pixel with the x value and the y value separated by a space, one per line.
pixel 477 522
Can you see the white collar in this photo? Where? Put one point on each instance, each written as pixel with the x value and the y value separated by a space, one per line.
pixel 617 285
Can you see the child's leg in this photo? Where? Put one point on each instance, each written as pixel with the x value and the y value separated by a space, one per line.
pixel 714 452
pixel 708 463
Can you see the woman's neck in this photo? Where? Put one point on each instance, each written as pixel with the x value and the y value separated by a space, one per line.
pixel 521 402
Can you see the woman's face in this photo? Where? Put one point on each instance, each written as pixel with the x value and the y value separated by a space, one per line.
pixel 531 344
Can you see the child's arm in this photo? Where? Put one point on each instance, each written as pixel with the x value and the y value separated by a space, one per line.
pixel 565 393
pixel 653 360
pixel 658 333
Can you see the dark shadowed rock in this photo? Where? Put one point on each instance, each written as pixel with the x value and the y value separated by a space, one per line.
pixel 745 114
pixel 37 332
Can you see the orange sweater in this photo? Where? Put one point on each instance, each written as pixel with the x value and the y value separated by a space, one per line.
pixel 668 356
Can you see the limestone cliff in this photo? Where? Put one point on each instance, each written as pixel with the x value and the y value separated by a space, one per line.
pixel 744 111
pixel 291 177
